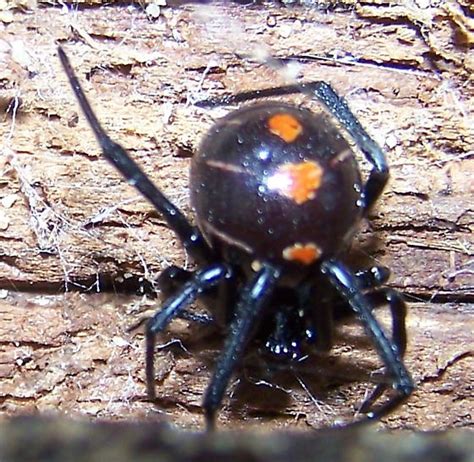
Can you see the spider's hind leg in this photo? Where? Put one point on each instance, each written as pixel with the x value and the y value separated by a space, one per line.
pixel 190 236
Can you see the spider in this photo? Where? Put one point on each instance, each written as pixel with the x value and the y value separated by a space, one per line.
pixel 278 196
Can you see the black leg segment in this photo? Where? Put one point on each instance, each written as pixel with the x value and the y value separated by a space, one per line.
pixel 190 236
pixel 398 311
pixel 337 106
pixel 248 312
pixel 202 280
pixel 390 350
pixel 372 277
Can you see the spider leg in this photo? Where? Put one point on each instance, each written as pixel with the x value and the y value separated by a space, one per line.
pixel 324 316
pixel 172 279
pixel 375 276
pixel 390 351
pixel 199 318
pixel 398 311
pixel 339 109
pixel 190 236
pixel 248 312
pixel 173 306
pixel 369 278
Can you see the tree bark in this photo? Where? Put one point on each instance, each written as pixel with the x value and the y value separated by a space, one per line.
pixel 58 440
pixel 77 243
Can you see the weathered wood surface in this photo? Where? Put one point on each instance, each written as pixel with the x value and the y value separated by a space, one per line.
pixel 69 222
pixel 60 440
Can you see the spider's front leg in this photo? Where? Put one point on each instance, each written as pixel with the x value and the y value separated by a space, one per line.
pixel 250 307
pixel 390 350
pixel 397 306
pixel 372 277
pixel 173 307
pixel 169 282
pixel 368 280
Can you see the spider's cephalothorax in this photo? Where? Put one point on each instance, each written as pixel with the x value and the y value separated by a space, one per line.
pixel 278 195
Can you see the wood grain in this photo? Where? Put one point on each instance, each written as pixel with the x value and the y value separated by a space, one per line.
pixel 75 239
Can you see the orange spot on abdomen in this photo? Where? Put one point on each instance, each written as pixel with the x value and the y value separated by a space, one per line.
pixel 284 125
pixel 298 181
pixel 302 253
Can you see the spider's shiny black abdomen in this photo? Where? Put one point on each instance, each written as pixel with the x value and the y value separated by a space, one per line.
pixel 278 183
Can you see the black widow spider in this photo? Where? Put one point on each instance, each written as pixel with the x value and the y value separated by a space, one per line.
pixel 278 196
